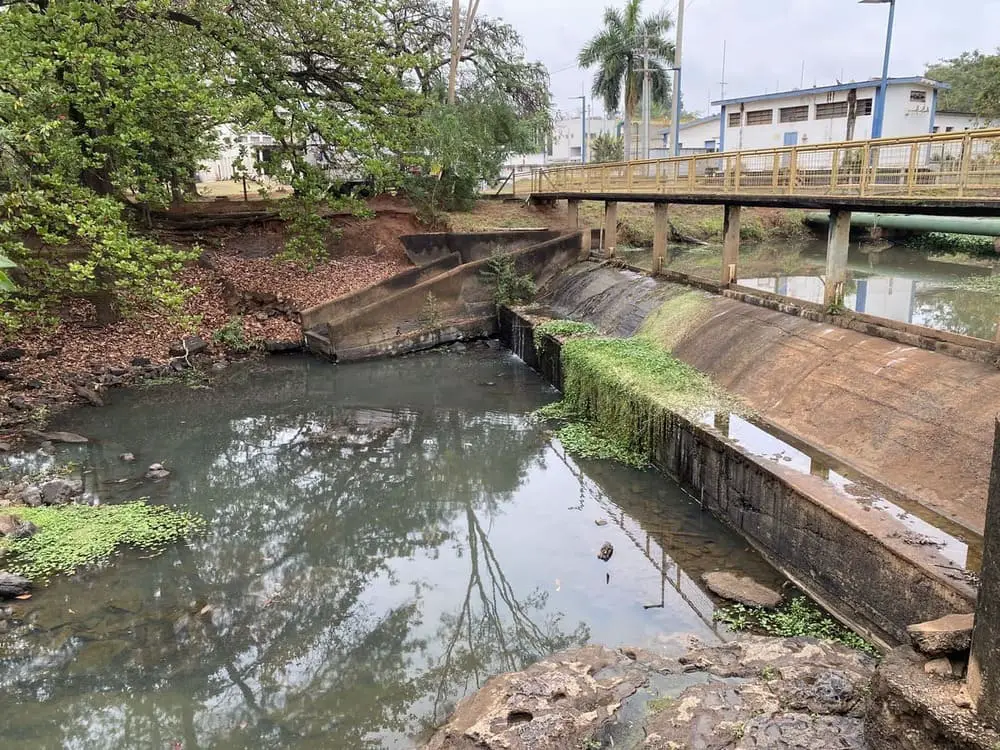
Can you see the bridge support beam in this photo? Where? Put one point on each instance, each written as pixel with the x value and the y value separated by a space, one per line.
pixel 837 244
pixel 574 214
pixel 730 244
pixel 610 228
pixel 661 230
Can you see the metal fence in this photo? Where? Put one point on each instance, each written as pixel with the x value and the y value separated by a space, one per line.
pixel 946 165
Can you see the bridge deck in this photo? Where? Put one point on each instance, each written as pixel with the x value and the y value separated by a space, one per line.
pixel 947 173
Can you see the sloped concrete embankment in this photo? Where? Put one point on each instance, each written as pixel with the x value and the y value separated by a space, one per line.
pixel 470 246
pixel 451 305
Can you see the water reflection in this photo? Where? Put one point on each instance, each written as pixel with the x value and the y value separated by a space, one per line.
pixel 382 539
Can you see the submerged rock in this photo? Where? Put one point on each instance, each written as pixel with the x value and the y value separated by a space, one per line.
pixel 13 585
pixel 741 589
pixel 57 437
pixel 560 702
pixel 605 552
pixel 156 471
pixel 127 457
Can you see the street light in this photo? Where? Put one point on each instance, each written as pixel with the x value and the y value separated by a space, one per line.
pixel 883 89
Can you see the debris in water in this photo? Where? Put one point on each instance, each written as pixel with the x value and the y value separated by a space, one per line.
pixel 601 521
pixel 606 552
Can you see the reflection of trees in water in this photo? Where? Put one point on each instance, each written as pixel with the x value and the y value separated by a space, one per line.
pixel 959 311
pixel 280 628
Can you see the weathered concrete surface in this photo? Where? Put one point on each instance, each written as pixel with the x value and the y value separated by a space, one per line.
pixel 912 710
pixel 334 309
pixel 556 704
pixel 850 556
pixel 737 588
pixel 918 421
pixel 950 634
pixel 450 306
pixel 422 249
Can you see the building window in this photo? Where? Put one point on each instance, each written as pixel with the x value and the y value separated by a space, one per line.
pixel 864 107
pixel 760 117
pixel 574 151
pixel 918 96
pixel 949 129
pixel 794 114
pixel 935 129
pixel 734 119
pixel 831 110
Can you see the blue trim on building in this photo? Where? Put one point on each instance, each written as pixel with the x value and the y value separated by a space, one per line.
pixel 722 129
pixel 934 100
pixel 874 84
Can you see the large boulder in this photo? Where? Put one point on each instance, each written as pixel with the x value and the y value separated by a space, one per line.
pixel 60 491
pixel 13 585
pixel 951 634
pixel 558 703
pixel 741 589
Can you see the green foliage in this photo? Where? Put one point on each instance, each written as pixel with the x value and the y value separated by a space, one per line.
pixel 944 242
pixel 233 336
pixel 711 227
pixel 607 147
pixel 587 440
pixel 614 52
pixel 73 536
pixel 974 78
pixel 752 230
pixel 509 286
pixel 562 329
pixel 6 285
pixel 430 315
pixel 798 617
pixel 306 229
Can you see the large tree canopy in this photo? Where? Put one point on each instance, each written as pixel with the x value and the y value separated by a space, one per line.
pixel 975 83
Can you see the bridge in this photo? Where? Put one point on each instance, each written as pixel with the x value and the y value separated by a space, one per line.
pixel 952 174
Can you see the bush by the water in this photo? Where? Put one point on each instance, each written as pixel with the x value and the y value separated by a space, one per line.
pixel 73 536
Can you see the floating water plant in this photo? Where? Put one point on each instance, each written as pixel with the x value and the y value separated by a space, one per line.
pixel 72 536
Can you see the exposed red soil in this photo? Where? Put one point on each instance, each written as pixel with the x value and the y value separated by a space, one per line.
pixel 238 270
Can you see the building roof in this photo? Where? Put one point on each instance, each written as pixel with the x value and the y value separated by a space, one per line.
pixel 691 123
pixel 915 80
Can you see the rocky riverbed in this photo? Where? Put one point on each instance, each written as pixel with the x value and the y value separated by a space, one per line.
pixel 755 692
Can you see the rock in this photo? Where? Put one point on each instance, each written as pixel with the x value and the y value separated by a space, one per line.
pixel 156 471
pixel 127 457
pixel 49 353
pixel 11 354
pixel 188 346
pixel 118 372
pixel 34 385
pixel 178 365
pixel 6 373
pixel 601 522
pixel 5 447
pixel 57 437
pixel 88 394
pixel 741 589
pixel 15 528
pixel 141 362
pixel 282 347
pixel 951 634
pixel 606 551
pixel 60 491
pixel 940 667
pixel 30 496
pixel 556 704
pixel 220 366
pixel 962 699
pixel 13 585
pixel 19 403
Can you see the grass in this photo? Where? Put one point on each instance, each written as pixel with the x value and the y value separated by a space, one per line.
pixel 563 329
pixel 798 617
pixel 73 536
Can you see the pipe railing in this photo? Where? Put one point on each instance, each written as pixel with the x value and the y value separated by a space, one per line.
pixel 959 165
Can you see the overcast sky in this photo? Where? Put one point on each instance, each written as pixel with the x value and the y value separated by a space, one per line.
pixel 766 40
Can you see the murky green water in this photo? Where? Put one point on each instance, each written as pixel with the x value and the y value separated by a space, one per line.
pixel 382 538
pixel 898 283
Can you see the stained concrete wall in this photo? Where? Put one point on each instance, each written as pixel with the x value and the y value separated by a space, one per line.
pixel 853 561
pixel 340 307
pixel 453 305
pixel 427 248
pixel 918 421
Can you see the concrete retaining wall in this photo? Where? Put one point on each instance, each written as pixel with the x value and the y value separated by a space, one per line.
pixel 456 304
pixel 422 249
pixel 842 555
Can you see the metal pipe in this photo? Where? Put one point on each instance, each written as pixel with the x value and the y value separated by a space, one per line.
pixel 913 223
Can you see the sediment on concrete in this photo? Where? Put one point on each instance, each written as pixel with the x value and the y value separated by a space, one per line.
pixel 850 559
pixel 917 421
pixel 422 249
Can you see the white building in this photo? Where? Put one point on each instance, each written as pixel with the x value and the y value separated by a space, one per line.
pixel 949 121
pixel 699 136
pixel 566 144
pixel 238 153
pixel 826 114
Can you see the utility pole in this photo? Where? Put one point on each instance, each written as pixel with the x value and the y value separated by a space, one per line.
pixel 459 40
pixel 646 95
pixel 583 134
pixel 676 116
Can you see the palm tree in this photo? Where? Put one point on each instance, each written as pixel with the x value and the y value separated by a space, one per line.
pixel 617 51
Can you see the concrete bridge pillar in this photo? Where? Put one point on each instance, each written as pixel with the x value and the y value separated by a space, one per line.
pixel 661 231
pixel 574 214
pixel 837 244
pixel 983 679
pixel 730 244
pixel 610 228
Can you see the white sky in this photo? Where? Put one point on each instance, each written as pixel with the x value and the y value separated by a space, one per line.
pixel 766 40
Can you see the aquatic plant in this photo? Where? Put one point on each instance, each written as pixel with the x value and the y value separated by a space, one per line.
pixel 562 329
pixel 587 440
pixel 946 242
pixel 798 617
pixel 72 536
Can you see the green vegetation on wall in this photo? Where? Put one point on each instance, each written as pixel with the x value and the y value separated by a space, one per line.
pixel 73 536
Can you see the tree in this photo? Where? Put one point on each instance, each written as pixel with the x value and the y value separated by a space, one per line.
pixel 975 83
pixel 607 147
pixel 617 52
pixel 6 285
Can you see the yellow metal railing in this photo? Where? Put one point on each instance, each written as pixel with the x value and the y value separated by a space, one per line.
pixel 941 166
